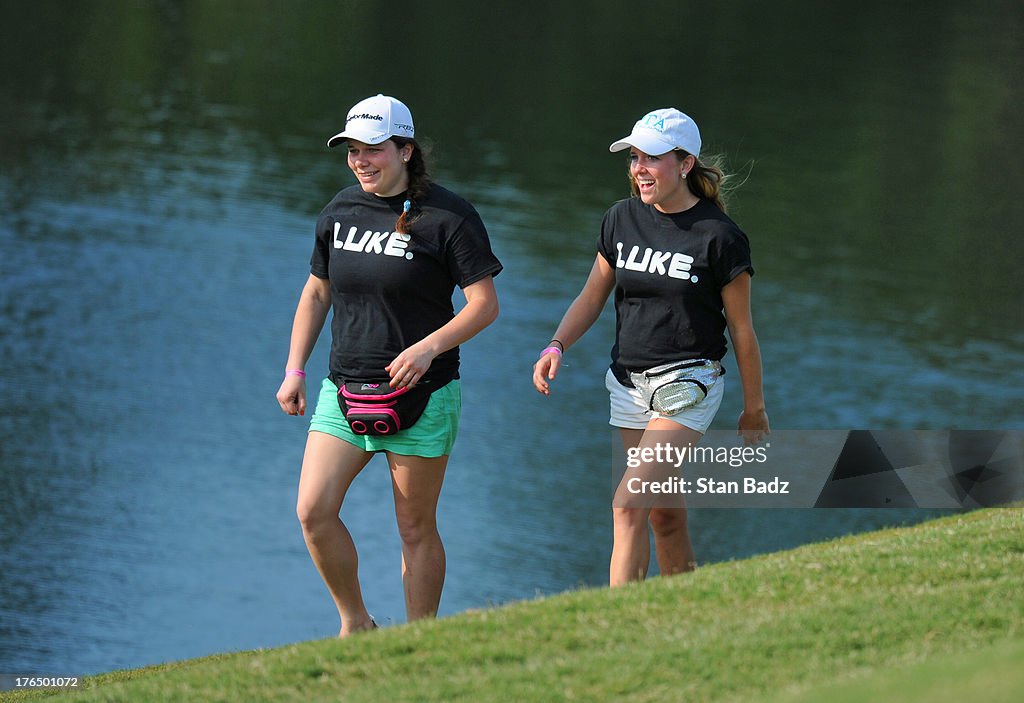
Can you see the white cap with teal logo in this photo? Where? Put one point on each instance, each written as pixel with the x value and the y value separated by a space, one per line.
pixel 660 132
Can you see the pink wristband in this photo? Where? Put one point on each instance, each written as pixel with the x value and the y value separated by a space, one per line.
pixel 551 349
pixel 295 372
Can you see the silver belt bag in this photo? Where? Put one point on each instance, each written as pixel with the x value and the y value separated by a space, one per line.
pixel 669 388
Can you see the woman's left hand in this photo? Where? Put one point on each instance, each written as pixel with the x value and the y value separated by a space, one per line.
pixel 408 367
pixel 753 425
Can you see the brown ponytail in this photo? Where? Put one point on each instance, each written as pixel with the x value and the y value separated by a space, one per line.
pixel 419 184
pixel 706 180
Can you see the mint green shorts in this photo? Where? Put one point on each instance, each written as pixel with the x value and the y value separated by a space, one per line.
pixel 433 434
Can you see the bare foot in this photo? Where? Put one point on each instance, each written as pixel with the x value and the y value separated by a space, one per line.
pixel 354 628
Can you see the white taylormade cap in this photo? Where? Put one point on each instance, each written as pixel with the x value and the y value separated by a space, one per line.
pixel 660 132
pixel 375 119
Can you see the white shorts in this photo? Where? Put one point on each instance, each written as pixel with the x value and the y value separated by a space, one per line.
pixel 628 409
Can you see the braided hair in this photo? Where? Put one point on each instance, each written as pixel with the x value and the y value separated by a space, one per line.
pixel 419 184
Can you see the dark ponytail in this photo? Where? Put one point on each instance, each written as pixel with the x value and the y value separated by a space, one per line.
pixel 419 184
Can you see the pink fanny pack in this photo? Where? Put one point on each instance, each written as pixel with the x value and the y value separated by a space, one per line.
pixel 378 409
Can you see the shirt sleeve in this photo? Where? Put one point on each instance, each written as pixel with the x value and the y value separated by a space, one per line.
pixel 468 252
pixel 605 247
pixel 319 261
pixel 730 256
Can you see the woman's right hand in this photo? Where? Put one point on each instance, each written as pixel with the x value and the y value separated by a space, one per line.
pixel 545 370
pixel 582 313
pixel 292 395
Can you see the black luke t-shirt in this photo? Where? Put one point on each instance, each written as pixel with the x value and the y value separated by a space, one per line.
pixel 390 290
pixel 669 273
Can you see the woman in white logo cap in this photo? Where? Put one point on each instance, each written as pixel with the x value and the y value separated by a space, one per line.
pixel 681 272
pixel 387 255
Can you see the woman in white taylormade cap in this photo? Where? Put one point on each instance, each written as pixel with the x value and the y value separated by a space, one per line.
pixel 387 256
pixel 675 262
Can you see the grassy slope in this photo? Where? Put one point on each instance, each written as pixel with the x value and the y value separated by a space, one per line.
pixel 879 616
pixel 994 674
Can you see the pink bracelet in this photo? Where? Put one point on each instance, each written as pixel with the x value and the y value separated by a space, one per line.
pixel 295 372
pixel 551 349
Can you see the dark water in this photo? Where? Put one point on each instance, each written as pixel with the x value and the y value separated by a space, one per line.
pixel 162 166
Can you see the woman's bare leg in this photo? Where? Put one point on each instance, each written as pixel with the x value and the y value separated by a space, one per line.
pixel 328 468
pixel 416 482
pixel 631 547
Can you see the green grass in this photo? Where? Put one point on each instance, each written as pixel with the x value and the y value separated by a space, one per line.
pixel 936 609
pixel 993 674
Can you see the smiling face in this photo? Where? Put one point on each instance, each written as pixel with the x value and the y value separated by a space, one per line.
pixel 380 168
pixel 659 179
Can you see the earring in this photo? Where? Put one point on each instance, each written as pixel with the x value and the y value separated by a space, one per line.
pixel 684 175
